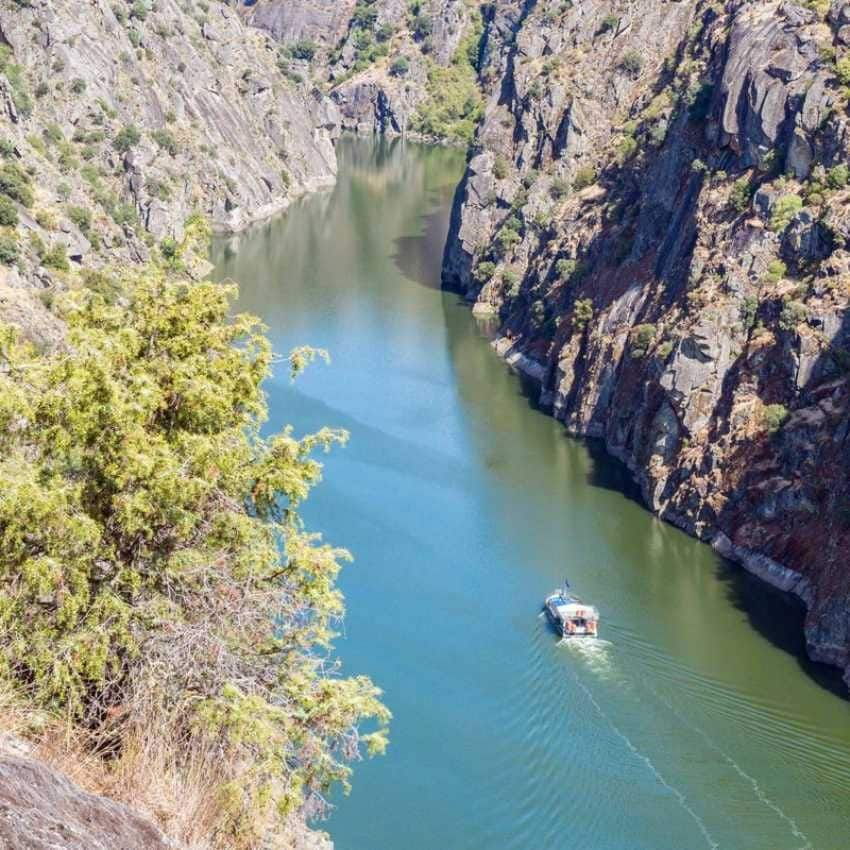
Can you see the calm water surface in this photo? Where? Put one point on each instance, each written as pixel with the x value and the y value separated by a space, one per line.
pixel 694 724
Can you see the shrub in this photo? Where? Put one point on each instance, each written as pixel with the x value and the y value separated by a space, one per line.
pixel 741 194
pixel 749 311
pixel 453 103
pixel 140 498
pixel 842 70
pixel 303 49
pixel 559 189
pixel 776 270
pixel 8 249
pixel 8 212
pixel 128 137
pixel 582 313
pixel 585 176
pixel 508 237
pixel 81 217
pixel 15 183
pixel 793 313
pixel 78 86
pixel 627 147
pixel 565 268
pixel 400 66
pixel 485 271
pixel 783 211
pixel 56 258
pixel 642 337
pixel 775 416
pixel 500 168
pixel 837 177
pixel 165 139
pixel 610 23
pixel 631 63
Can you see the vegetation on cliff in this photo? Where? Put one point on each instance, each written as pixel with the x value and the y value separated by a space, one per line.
pixel 157 586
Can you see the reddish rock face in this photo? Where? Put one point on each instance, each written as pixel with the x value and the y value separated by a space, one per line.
pixel 42 810
pixel 656 211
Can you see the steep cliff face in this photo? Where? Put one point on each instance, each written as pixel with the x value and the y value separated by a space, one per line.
pixel 119 121
pixel 391 66
pixel 656 215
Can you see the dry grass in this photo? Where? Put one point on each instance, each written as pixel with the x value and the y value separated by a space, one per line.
pixel 180 794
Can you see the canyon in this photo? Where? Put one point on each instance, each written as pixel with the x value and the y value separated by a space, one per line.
pixel 652 219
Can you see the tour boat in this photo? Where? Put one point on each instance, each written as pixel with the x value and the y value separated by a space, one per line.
pixel 571 616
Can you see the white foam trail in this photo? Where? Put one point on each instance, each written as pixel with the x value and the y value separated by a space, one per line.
pixel 683 800
pixel 594 652
pixel 757 790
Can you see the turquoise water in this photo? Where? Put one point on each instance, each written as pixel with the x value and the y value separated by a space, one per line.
pixel 694 723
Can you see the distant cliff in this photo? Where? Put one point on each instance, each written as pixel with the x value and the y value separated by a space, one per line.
pixel 655 214
pixel 124 120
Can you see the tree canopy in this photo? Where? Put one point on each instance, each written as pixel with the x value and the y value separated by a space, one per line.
pixel 154 570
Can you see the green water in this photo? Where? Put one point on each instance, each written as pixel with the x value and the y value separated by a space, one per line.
pixel 694 724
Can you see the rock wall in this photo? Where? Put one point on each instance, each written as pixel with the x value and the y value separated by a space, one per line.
pixel 655 212
pixel 356 46
pixel 130 118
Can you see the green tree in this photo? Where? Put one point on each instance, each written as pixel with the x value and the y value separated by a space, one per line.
pixel 155 575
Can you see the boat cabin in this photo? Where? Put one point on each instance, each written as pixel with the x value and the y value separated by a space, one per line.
pixel 571 616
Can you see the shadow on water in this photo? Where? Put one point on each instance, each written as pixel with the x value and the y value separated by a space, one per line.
pixel 779 617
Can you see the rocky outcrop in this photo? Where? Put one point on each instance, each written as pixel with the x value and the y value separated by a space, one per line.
pixel 40 809
pixel 654 212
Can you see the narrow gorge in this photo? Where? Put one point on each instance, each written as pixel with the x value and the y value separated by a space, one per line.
pixel 651 227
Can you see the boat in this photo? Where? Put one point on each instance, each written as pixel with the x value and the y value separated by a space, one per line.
pixel 570 616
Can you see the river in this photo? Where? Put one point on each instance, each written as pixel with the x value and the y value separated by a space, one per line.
pixel 696 721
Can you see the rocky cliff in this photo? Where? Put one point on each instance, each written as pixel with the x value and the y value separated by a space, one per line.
pixel 119 121
pixel 655 216
pixel 391 66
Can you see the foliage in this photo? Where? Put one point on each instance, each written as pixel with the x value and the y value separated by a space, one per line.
pixel 485 271
pixel 15 183
pixel 784 210
pixel 128 137
pixel 585 176
pixel 631 63
pixel 8 249
pixel 749 311
pixel 582 313
pixel 8 212
pixel 55 257
pixel 453 104
pixel 81 217
pixel 642 337
pixel 154 570
pixel 838 176
pixel 400 66
pixel 776 270
pixel 793 313
pixel 775 416
pixel 566 268
pixel 303 49
pixel 165 139
pixel 741 194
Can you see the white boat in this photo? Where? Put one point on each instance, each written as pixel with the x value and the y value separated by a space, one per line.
pixel 571 616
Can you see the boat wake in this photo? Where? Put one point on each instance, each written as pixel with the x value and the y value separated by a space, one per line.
pixel 594 652
pixel 759 793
